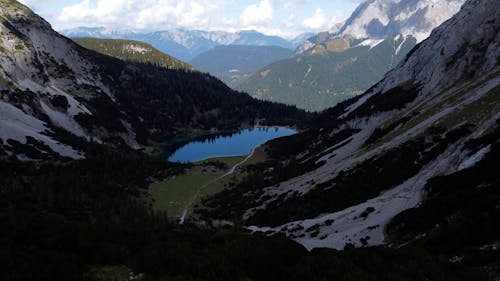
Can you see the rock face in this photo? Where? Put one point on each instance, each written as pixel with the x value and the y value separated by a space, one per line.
pixel 382 18
pixel 430 123
pixel 57 97
pixel 379 19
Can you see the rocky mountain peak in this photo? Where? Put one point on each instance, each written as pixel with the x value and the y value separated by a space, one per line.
pixel 379 19
pixel 466 46
pixel 382 18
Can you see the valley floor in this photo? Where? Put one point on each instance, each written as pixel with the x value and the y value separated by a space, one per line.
pixel 179 195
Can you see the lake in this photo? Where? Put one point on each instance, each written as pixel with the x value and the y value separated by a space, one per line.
pixel 234 144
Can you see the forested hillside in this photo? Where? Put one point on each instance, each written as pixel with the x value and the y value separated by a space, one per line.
pixel 328 74
pixel 133 51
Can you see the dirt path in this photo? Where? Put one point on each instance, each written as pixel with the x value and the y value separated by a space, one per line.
pixel 230 172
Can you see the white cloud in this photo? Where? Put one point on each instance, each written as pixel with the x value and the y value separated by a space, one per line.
pixel 138 13
pixel 286 18
pixel 257 14
pixel 316 21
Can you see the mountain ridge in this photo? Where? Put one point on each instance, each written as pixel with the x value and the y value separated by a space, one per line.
pixel 134 51
pixel 233 64
pixel 186 44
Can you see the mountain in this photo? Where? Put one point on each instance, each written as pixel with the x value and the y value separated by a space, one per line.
pixel 133 51
pixel 235 63
pixel 328 75
pixel 380 19
pixel 411 162
pixel 59 99
pixel 403 179
pixel 184 44
pixel 353 55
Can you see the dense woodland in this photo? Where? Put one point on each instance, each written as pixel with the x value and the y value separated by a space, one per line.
pixel 68 221
pixel 133 51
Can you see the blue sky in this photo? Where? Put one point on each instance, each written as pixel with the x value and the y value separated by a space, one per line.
pixel 274 17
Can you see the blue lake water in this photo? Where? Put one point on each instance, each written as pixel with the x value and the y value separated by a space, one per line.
pixel 236 144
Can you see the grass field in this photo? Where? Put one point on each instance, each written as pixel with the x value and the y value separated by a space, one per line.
pixel 175 194
pixel 184 191
pixel 111 273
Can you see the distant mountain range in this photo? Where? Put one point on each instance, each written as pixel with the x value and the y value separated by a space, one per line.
pixel 233 64
pixel 337 64
pixel 187 44
pixel 133 51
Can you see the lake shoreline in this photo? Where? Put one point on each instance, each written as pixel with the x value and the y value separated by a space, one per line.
pixel 225 144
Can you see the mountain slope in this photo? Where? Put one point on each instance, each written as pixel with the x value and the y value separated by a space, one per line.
pixel 432 121
pixel 133 51
pixel 234 63
pixel 185 44
pixel 383 25
pixel 57 97
pixel 329 74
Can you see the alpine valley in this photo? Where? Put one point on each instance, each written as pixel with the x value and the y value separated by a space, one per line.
pixel 345 61
pixel 398 182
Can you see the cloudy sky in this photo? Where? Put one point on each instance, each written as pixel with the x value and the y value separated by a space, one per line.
pixel 273 17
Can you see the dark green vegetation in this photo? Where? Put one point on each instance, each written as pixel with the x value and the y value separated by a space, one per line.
pixel 235 63
pixel 83 220
pixel 323 79
pixel 133 51
pixel 176 102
